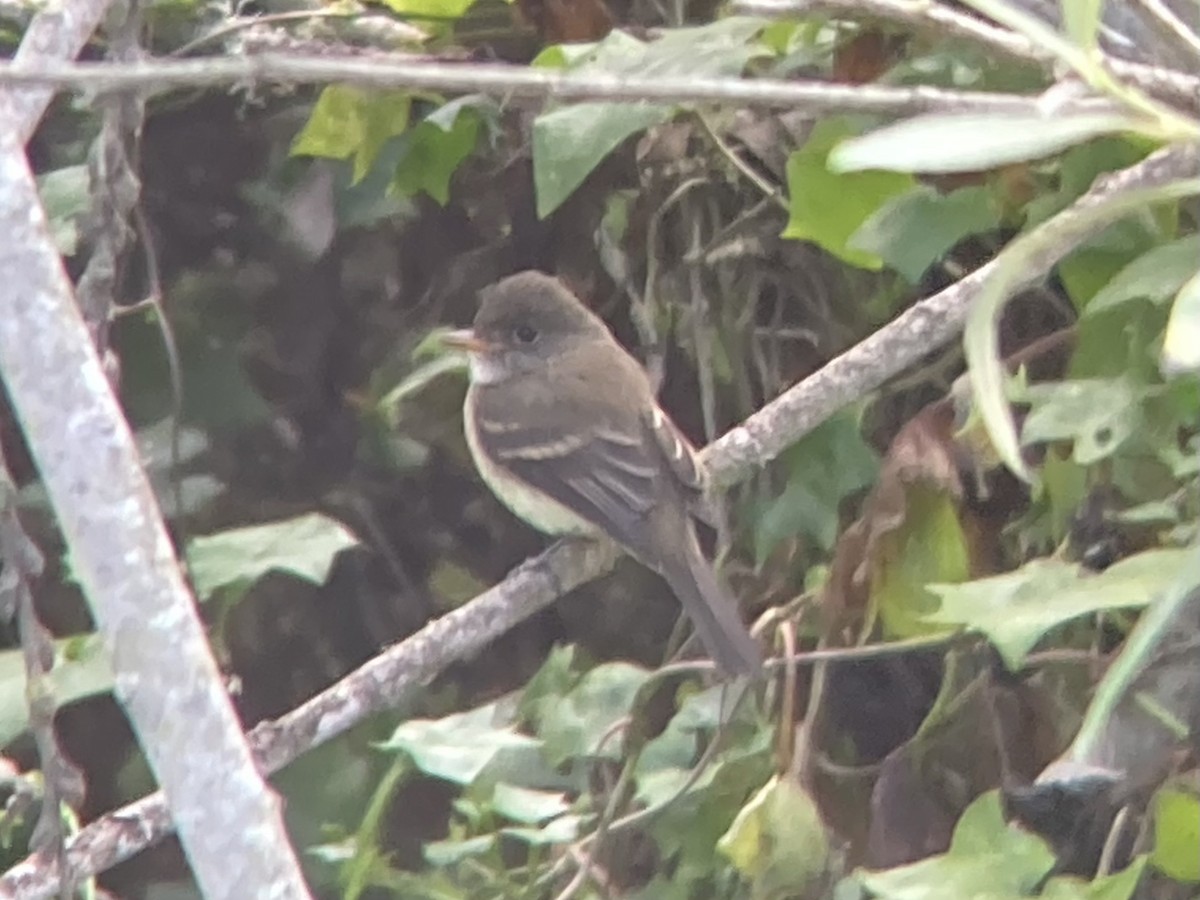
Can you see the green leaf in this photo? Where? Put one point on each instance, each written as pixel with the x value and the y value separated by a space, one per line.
pixel 569 142
pixel 1117 886
pixel 349 121
pixel 1181 342
pixel 1079 168
pixel 930 547
pixel 674 750
pixel 987 858
pixel 580 724
pixel 529 807
pixel 972 142
pixel 827 207
pixel 778 841
pixel 82 668
pixel 826 466
pixel 416 381
pixel 914 230
pixel 1016 609
pixel 447 853
pixel 1177 834
pixel 429 9
pixel 699 810
pixel 1097 414
pixel 1087 269
pixel 303 546
pixel 433 150
pixel 1082 21
pixel 1063 486
pixel 557 676
pixel 458 747
pixel 1155 275
pixel 562 830
pixel 1012 270
pixel 65 195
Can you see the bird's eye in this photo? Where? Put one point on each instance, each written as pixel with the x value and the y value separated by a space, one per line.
pixel 525 334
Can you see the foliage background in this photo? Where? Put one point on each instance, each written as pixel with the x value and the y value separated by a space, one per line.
pixel 308 242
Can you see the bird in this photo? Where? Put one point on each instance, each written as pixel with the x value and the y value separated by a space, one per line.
pixel 565 429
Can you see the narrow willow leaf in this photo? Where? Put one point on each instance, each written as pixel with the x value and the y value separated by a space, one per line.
pixel 1035 252
pixel 1181 345
pixel 1081 18
pixel 983 358
pixel 971 142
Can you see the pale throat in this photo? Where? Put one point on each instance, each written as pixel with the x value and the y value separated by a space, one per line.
pixel 486 370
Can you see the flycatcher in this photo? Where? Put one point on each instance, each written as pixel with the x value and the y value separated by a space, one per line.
pixel 565 429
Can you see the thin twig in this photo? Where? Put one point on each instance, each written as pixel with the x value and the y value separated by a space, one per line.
pixel 384 70
pixel 768 190
pixel 122 556
pixel 50 36
pixel 1173 29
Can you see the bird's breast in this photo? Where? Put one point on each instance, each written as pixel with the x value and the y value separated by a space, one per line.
pixel 526 502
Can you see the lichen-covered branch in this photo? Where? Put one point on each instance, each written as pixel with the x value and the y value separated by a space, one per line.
pixel 166 679
pixel 383 70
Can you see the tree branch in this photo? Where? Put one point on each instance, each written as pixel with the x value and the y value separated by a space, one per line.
pixel 1178 88
pixel 52 35
pixel 403 669
pixel 398 71
pixel 166 679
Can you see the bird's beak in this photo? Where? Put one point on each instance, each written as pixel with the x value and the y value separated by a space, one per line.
pixel 465 339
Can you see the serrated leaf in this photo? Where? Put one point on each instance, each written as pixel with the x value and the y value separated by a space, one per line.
pixel 914 230
pixel 1155 275
pixel 1016 609
pixel 459 747
pixel 304 546
pixel 828 207
pixel 1181 341
pixel 987 858
pixel 1098 415
pixel 1012 270
pixel 972 142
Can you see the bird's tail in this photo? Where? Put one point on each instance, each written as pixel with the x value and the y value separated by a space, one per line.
pixel 713 613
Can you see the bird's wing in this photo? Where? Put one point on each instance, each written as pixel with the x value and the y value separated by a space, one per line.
pixel 605 475
pixel 681 459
